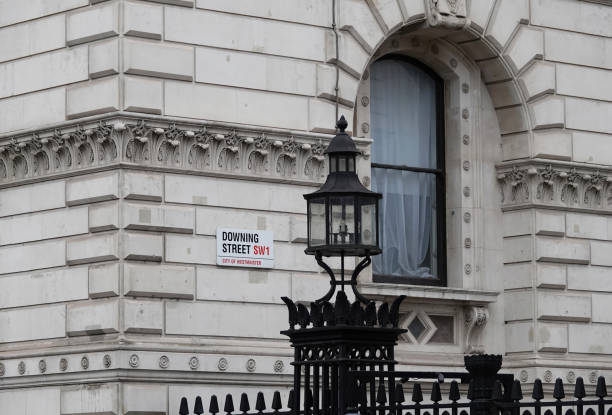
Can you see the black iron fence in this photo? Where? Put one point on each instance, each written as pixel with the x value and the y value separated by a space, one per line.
pixel 376 398
pixel 344 364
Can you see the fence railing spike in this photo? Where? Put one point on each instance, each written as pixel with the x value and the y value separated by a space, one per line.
pixel 213 407
pixel 356 316
pixel 198 408
pixel 417 394
pixel 579 391
pixel 426 413
pixel 497 394
pixel 570 412
pixel 244 403
pixel 601 391
pixel 454 394
pixel 303 315
pixel 558 392
pixel 463 412
pixel 293 316
pixel 290 399
pixel 399 393
pixel 394 311
pixel 609 411
pixel 184 408
pixel 383 314
pixel 229 404
pixel 342 308
pixel 328 314
pixel 516 394
pixel 445 413
pixel 436 395
pixel 316 314
pixel 548 412
pixel 260 403
pixel 590 411
pixel 526 412
pixel 381 396
pixel 370 314
pixel 277 405
pixel 538 391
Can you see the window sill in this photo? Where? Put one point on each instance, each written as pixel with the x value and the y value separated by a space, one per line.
pixel 380 291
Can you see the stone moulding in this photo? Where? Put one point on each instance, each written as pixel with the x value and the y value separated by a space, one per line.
pixel 164 145
pixel 561 185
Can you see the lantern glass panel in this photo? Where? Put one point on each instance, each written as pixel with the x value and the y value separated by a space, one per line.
pixel 351 164
pixel 342 164
pixel 316 232
pixel 367 224
pixel 333 164
pixel 342 221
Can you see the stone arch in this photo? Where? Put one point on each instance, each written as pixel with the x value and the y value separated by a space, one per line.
pixel 494 34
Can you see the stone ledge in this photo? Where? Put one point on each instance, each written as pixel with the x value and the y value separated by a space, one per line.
pixel 462 296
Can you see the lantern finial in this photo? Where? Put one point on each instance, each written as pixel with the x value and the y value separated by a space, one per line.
pixel 342 124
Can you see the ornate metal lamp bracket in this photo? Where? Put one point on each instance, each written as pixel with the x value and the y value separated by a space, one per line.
pixel 363 264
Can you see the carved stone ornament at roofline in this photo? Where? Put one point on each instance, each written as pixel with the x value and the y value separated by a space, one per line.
pixel 576 187
pixel 447 13
pixel 215 150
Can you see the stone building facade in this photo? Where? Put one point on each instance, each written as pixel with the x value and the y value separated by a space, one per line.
pixel 131 130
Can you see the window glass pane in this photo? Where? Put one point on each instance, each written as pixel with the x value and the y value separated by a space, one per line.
pixel 403 114
pixel 408 227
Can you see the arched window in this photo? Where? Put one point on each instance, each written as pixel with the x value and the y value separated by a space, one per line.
pixel 407 125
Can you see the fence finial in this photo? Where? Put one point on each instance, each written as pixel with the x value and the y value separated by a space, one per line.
pixel 558 392
pixel 198 409
pixel 244 403
pixel 229 404
pixel 276 401
pixel 399 393
pixel 516 394
pixel 260 403
pixel 213 407
pixel 436 396
pixel 291 399
pixel 184 409
pixel 417 394
pixel 538 391
pixel 454 394
pixel 601 391
pixel 579 392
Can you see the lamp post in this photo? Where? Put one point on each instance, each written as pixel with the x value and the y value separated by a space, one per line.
pixel 343 214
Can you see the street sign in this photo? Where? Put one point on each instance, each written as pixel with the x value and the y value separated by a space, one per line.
pixel 245 248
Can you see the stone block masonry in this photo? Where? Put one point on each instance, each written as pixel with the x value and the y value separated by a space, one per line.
pixel 130 130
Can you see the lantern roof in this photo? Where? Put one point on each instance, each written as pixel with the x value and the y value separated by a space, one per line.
pixel 342 142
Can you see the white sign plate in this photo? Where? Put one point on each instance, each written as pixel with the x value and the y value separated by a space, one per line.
pixel 245 248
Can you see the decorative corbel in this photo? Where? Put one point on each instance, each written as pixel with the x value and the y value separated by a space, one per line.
pixel 475 320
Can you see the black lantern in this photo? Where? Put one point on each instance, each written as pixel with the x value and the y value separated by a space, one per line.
pixel 343 213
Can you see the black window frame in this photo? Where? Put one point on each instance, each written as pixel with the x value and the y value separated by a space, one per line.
pixel 440 174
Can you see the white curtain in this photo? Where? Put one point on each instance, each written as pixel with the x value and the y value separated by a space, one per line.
pixel 403 123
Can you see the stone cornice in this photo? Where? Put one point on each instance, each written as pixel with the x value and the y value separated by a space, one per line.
pixel 555 184
pixel 160 143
